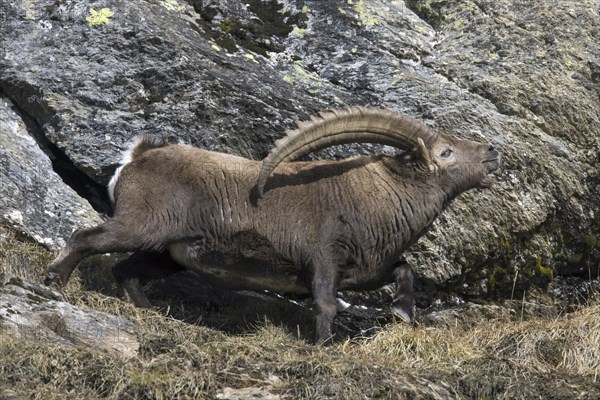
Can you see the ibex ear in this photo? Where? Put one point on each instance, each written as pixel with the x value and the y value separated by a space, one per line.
pixel 423 153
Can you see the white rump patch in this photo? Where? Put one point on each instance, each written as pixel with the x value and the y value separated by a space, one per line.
pixel 113 183
pixel 125 159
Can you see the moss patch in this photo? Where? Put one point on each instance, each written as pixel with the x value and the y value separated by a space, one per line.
pixel 35 298
pixel 258 35
pixel 540 270
pixel 16 281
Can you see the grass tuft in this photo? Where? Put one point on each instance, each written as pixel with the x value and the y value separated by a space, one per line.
pixel 542 357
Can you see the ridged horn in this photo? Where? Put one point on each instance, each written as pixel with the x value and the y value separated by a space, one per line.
pixel 351 125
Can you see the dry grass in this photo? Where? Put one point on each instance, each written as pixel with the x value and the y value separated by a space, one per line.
pixel 545 358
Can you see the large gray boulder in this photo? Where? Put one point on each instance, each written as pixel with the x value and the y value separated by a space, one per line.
pixel 232 75
pixel 33 198
pixel 33 313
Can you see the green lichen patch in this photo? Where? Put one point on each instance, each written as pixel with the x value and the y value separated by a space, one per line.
pixel 172 5
pixel 251 57
pixel 298 32
pixel 366 15
pixel 16 281
pixel 262 34
pixel 431 11
pixel 590 242
pixel 227 44
pixel 543 271
pixel 300 74
pixel 35 298
pixel 96 18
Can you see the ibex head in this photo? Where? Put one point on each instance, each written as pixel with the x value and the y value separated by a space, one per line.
pixel 460 164
pixel 457 163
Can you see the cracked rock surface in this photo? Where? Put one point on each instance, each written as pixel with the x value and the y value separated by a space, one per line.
pixel 232 76
pixel 34 313
pixel 33 198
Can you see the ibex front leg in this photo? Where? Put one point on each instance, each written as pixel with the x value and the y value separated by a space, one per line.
pixel 404 298
pixel 324 290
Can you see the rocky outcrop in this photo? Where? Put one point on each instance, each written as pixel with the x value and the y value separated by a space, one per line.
pixel 33 198
pixel 232 75
pixel 33 313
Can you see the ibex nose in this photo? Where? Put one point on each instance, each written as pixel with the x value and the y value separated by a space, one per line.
pixel 490 147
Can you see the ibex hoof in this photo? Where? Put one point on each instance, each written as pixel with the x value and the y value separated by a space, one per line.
pixel 402 313
pixel 53 280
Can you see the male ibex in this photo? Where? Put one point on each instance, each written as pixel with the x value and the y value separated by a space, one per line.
pixel 314 227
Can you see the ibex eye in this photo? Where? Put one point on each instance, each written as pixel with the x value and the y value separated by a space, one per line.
pixel 446 153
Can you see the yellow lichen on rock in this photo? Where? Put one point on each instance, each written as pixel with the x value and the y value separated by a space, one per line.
pixel 99 17
pixel 251 57
pixel 172 5
pixel 364 14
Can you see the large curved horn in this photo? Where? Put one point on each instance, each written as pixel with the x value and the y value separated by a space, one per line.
pixel 351 125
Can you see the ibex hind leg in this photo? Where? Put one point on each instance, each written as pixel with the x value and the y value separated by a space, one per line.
pixel 140 268
pixel 108 237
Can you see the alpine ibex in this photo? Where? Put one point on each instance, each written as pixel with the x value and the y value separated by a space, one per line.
pixel 313 227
